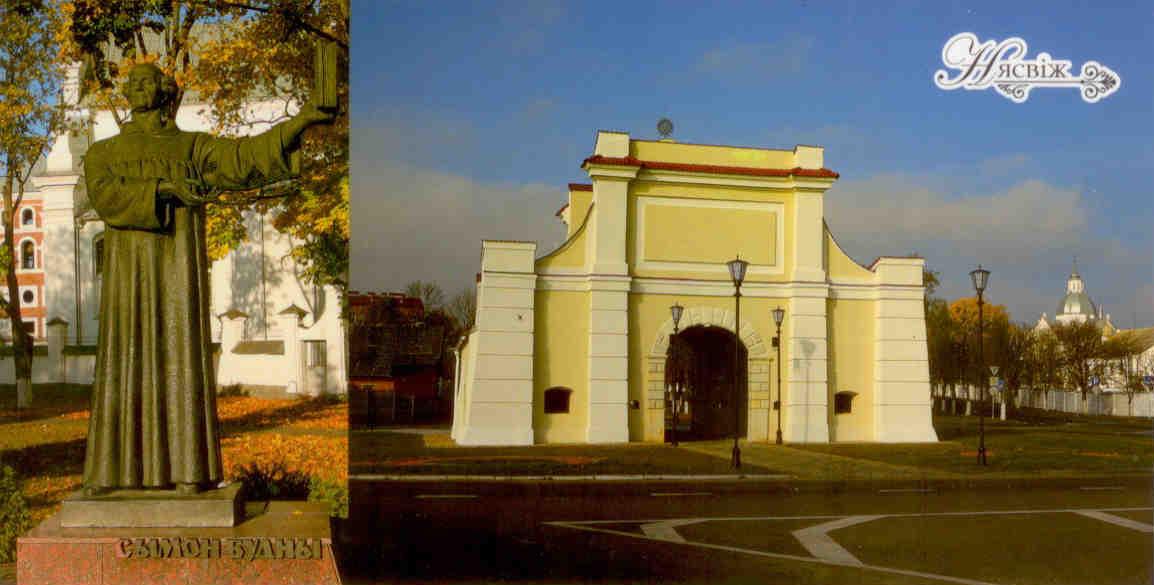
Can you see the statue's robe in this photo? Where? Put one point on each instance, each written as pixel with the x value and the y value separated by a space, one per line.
pixel 154 420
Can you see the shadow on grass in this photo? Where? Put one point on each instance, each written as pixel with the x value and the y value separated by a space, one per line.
pixel 48 461
pixel 48 401
pixel 294 411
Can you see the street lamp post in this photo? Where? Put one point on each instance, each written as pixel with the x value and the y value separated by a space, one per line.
pixel 737 268
pixel 778 317
pixel 980 277
pixel 675 312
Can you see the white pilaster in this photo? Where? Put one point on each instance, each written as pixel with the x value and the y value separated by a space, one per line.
pixel 289 321
pixel 57 335
pixel 607 226
pixel 231 333
pixel 806 392
pixel 500 401
pixel 902 400
pixel 808 236
pixel 58 192
pixel 608 360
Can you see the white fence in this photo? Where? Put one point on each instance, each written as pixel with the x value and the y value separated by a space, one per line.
pixel 1113 404
pixel 294 363
pixel 1109 404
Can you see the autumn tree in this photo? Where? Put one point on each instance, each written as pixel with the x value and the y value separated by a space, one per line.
pixel 1080 346
pixel 964 313
pixel 940 347
pixel 229 53
pixel 1044 361
pixel 463 308
pixel 1014 342
pixel 31 115
pixel 430 293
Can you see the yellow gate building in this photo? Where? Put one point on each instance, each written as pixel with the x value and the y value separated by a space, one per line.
pixel 570 347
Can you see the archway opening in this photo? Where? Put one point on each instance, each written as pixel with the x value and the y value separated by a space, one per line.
pixel 716 381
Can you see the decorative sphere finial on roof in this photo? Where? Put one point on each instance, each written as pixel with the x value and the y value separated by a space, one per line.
pixel 665 127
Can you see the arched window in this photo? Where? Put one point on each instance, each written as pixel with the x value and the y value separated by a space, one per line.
pixel 27 297
pixel 843 402
pixel 27 217
pixel 28 255
pixel 557 400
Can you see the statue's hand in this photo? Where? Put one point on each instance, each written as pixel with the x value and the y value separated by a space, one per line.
pixel 186 191
pixel 311 114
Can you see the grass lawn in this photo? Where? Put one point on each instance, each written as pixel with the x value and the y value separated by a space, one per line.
pixel 1039 445
pixel 395 452
pixel 1036 447
pixel 1015 448
pixel 45 443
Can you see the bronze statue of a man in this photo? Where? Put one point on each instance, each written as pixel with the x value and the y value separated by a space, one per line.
pixel 154 421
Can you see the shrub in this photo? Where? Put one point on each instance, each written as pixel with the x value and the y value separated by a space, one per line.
pixel 232 390
pixel 14 517
pixel 328 398
pixel 333 492
pixel 271 481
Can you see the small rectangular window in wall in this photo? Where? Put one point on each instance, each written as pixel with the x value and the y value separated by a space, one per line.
pixel 843 402
pixel 557 400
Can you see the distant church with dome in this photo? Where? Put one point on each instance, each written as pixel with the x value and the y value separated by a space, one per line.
pixel 1076 307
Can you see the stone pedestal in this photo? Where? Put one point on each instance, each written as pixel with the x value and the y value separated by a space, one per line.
pixel 153 508
pixel 279 543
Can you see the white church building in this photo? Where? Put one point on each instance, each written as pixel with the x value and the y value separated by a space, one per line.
pixel 273 332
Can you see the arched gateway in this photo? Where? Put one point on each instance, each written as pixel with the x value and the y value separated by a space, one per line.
pixel 569 347
pixel 707 419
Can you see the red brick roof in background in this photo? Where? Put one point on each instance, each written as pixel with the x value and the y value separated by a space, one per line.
pixel 713 169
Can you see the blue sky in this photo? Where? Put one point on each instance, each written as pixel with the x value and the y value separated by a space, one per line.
pixel 469 119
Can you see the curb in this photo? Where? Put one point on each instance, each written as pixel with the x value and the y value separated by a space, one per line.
pixel 760 482
pixel 567 478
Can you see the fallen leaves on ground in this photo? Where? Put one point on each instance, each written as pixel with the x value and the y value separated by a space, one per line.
pixel 306 435
pixel 320 456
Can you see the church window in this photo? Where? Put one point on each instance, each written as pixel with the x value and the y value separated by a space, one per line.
pixel 557 400
pixel 27 217
pixel 28 255
pixel 843 402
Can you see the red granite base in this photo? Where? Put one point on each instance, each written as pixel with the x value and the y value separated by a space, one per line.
pixel 285 543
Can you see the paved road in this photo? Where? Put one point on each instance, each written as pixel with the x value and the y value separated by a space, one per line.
pixel 726 532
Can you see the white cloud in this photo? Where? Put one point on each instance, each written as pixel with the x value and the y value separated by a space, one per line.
pixel 907 212
pixel 411 223
pixel 1027 234
pixel 757 62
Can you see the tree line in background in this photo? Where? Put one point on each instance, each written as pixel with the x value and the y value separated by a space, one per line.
pixel 1071 355
pixel 459 313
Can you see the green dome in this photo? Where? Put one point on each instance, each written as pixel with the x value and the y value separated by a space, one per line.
pixel 1077 303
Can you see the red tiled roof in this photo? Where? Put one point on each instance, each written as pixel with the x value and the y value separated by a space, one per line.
pixel 714 169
